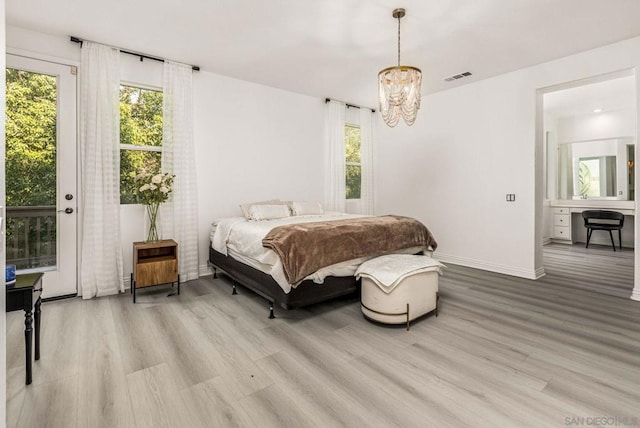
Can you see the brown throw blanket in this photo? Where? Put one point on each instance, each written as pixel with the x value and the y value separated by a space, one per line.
pixel 305 248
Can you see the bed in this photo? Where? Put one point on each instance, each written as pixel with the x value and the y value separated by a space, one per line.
pixel 295 261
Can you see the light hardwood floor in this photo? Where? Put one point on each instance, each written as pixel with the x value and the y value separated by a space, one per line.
pixel 504 352
pixel 597 268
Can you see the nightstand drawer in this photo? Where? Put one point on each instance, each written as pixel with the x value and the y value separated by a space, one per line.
pixel 156 272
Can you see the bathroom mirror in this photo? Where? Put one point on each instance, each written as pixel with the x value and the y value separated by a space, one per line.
pixel 601 169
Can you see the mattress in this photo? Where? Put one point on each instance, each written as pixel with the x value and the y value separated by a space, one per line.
pixel 241 239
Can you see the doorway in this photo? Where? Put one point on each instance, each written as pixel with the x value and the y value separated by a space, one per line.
pixel 588 147
pixel 41 180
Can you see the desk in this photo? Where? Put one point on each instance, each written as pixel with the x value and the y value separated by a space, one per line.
pixel 25 295
pixel 567 225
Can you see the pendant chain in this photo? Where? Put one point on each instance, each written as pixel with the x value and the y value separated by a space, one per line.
pixel 398 41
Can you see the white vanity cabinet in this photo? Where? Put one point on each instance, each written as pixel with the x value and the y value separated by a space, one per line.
pixel 561 224
pixel 566 226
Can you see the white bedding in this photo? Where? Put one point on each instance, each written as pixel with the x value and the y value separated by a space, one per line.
pixel 241 239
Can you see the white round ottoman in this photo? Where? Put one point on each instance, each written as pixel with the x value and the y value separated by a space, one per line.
pixel 399 288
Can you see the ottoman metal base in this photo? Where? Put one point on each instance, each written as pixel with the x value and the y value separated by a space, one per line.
pixel 414 297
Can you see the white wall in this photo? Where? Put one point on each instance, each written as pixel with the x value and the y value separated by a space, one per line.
pixel 252 142
pixel 596 126
pixel 550 173
pixel 469 147
pixel 453 168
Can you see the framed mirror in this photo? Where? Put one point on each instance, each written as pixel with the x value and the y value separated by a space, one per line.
pixel 597 169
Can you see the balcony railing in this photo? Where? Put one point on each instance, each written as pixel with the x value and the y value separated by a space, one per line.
pixel 31 236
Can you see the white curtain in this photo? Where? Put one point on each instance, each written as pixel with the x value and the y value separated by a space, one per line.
pixel 366 161
pixel 101 271
pixel 335 185
pixel 179 216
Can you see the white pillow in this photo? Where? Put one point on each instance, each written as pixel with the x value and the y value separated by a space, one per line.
pixel 268 212
pixel 245 207
pixel 306 208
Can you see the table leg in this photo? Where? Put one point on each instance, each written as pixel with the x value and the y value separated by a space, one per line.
pixel 37 328
pixel 28 332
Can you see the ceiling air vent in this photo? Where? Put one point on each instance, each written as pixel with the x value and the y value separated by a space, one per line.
pixel 457 76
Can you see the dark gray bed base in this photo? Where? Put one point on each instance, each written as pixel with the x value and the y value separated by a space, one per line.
pixel 307 293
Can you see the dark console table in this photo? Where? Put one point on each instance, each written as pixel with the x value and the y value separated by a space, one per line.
pixel 25 295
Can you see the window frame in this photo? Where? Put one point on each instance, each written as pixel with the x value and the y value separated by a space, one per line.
pixel 141 148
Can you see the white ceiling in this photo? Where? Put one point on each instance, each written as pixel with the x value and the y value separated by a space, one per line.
pixel 608 95
pixel 335 48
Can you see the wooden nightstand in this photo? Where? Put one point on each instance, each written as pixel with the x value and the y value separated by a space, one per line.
pixel 155 263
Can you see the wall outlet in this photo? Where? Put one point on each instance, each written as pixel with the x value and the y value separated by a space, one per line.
pixel 511 197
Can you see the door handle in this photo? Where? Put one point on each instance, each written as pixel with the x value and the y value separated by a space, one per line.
pixel 66 210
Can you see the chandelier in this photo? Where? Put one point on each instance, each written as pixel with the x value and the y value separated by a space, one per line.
pixel 399 88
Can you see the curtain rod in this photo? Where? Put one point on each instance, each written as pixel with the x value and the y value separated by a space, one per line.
pixel 140 55
pixel 326 100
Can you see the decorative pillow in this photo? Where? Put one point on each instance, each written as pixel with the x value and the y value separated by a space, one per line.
pixel 268 212
pixel 306 208
pixel 245 207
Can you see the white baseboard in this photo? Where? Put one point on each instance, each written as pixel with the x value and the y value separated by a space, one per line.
pixel 635 294
pixel 540 272
pixel 204 270
pixel 491 267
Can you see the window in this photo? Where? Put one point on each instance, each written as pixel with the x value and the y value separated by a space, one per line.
pixel 353 166
pixel 140 136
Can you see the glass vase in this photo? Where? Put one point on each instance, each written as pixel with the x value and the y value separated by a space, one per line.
pixel 152 211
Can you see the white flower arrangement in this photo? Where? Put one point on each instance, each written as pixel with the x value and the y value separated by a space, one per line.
pixel 153 188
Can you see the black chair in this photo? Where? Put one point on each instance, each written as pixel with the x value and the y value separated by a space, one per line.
pixel 603 220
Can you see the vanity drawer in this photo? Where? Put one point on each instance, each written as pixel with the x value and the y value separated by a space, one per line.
pixel 561 232
pixel 563 210
pixel 561 220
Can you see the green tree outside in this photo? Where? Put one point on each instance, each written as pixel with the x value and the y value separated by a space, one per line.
pixel 31 137
pixel 30 167
pixel 30 163
pixel 140 125
pixel 352 155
